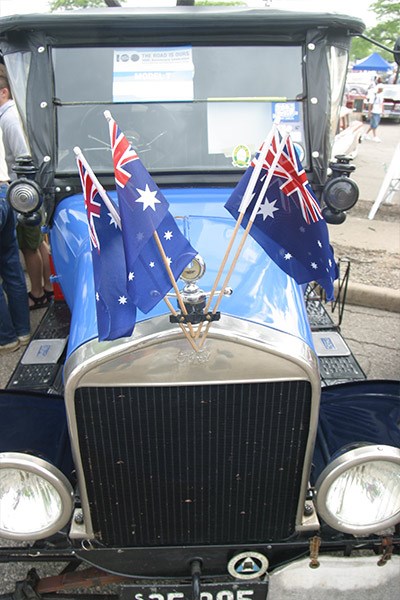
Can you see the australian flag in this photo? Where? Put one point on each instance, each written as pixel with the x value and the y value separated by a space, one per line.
pixel 144 215
pixel 288 224
pixel 116 312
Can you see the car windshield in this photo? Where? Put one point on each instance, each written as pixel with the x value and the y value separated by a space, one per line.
pixel 183 108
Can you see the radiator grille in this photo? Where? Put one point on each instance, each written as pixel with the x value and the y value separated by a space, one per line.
pixel 207 464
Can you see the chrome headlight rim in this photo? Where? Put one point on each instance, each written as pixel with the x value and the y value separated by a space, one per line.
pixel 363 454
pixel 53 476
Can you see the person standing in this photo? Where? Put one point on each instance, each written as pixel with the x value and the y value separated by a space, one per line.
pixel 30 238
pixel 14 310
pixel 375 111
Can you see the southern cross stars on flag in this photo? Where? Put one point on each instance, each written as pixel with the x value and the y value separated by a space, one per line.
pixel 116 312
pixel 141 203
pixel 288 225
pixel 144 213
pixel 148 280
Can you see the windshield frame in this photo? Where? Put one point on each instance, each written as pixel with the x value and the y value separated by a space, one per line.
pixel 207 113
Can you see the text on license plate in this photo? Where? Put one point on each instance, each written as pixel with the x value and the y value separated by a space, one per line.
pixel 209 591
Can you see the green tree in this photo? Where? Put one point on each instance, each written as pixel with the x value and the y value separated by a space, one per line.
pixel 385 31
pixel 72 4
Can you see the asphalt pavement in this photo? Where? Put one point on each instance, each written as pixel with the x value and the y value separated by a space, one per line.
pixel 371 319
pixel 374 242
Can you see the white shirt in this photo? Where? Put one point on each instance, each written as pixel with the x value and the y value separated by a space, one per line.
pixel 13 135
pixel 377 104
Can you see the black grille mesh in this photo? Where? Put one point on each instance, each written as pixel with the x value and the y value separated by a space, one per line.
pixel 207 464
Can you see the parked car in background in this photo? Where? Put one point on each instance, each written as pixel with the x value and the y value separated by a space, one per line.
pixel 391 103
pixel 353 92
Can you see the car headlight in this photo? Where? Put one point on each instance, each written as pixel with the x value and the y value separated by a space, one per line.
pixel 36 499
pixel 359 491
pixel 24 195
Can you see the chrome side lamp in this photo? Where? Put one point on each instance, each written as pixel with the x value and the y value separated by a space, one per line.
pixel 24 194
pixel 340 193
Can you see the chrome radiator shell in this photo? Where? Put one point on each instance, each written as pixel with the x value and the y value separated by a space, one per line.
pixel 158 356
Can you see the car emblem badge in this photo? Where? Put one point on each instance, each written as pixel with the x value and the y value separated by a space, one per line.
pixel 241 156
pixel 248 565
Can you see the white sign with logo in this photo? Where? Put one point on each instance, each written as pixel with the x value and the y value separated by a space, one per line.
pixel 153 74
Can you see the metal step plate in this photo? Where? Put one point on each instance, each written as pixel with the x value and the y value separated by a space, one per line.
pixel 40 368
pixel 34 377
pixel 318 316
pixel 55 323
pixel 338 369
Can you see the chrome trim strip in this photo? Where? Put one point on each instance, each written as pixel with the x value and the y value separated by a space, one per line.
pixel 145 359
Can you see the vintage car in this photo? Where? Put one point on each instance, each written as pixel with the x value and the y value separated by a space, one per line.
pixel 355 95
pixel 258 462
pixel 391 103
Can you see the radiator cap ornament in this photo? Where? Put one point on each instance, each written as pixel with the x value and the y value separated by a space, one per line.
pixel 248 565
pixel 195 270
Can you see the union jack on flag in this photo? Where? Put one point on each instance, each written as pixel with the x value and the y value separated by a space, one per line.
pixel 92 206
pixel 290 169
pixel 123 154
pixel 288 225
pixel 115 311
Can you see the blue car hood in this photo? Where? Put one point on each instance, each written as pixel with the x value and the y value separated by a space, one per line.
pixel 262 292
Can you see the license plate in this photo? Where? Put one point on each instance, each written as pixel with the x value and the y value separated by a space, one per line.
pixel 209 591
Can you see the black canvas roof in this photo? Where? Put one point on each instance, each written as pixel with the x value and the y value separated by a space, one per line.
pixel 90 25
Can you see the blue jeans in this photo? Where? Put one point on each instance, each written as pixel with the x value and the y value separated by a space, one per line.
pixel 375 120
pixel 14 314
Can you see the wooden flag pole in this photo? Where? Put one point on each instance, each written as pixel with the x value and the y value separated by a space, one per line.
pixel 247 230
pixel 256 208
pixel 224 261
pixel 227 278
pixel 109 118
pixel 107 201
pixel 181 325
pixel 172 279
pixel 247 196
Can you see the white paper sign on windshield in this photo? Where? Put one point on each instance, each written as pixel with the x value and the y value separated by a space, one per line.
pixel 153 74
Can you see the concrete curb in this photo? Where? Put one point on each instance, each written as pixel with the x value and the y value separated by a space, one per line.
pixel 370 296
